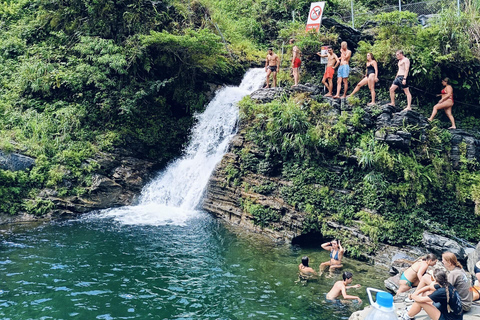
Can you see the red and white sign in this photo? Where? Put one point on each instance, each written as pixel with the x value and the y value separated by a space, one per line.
pixel 315 16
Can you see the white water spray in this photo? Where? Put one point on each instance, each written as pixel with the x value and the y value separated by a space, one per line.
pixel 174 195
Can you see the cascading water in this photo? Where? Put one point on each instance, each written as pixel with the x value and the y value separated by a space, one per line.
pixel 174 195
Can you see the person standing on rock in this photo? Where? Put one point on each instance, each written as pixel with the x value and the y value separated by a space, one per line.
pixel 343 70
pixel 272 65
pixel 412 275
pixel 401 80
pixel 336 255
pixel 332 64
pixel 371 76
pixel 445 103
pixel 296 62
pixel 440 301
pixel 340 288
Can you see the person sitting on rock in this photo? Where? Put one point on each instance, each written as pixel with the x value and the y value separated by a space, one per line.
pixel 412 275
pixel 456 276
pixel 476 270
pixel 440 300
pixel 336 255
pixel 340 287
pixel 304 269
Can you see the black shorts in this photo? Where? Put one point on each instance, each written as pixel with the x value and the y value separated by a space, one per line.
pixel 273 68
pixel 398 82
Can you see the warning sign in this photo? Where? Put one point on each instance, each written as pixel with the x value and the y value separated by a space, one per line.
pixel 315 16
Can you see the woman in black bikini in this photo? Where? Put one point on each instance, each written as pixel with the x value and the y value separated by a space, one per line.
pixel 336 255
pixel 370 78
pixel 446 103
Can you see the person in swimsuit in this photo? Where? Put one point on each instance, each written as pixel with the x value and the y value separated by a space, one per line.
pixel 440 300
pixel 336 255
pixel 371 76
pixel 272 65
pixel 401 80
pixel 296 62
pixel 446 103
pixel 412 275
pixel 332 64
pixel 343 70
pixel 476 270
pixel 340 287
pixel 304 269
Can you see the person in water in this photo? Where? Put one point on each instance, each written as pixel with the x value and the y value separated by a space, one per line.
pixel 412 275
pixel 440 300
pixel 332 64
pixel 343 70
pixel 340 287
pixel 371 76
pixel 456 276
pixel 272 66
pixel 445 103
pixel 296 62
pixel 304 269
pixel 401 80
pixel 336 255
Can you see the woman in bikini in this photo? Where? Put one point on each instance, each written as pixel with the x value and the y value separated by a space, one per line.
pixel 336 255
pixel 412 275
pixel 371 76
pixel 446 103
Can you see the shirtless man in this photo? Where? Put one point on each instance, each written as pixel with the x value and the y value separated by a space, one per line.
pixel 401 80
pixel 332 64
pixel 343 70
pixel 340 287
pixel 272 65
pixel 296 62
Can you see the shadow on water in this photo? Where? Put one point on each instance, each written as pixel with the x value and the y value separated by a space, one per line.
pixel 98 269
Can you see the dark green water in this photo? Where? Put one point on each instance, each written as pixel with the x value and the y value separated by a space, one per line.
pixel 99 269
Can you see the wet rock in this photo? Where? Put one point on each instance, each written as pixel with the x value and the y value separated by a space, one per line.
pixel 266 95
pixel 471 148
pixel 15 161
pixel 306 88
pixel 439 244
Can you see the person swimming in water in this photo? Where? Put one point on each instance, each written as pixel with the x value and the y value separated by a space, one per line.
pixel 340 287
pixel 411 276
pixel 305 270
pixel 336 255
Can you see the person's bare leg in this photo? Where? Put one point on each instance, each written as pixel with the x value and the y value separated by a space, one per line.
pixel 371 86
pixel 339 87
pixel 268 77
pixel 392 94
pixel 295 76
pixel 358 86
pixel 434 112
pixel 425 281
pixel 409 99
pixel 403 287
pixel 345 87
pixel 275 79
pixel 429 308
pixel 448 112
pixel 330 86
pixel 323 266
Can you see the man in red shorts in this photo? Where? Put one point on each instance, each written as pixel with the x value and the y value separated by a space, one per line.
pixel 332 64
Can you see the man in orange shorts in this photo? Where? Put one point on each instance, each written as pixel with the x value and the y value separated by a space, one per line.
pixel 332 64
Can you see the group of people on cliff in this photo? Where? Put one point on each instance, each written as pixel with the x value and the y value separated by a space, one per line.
pixel 272 67
pixel 444 293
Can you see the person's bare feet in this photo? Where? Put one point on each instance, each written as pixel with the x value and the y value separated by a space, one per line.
pixel 266 87
pixel 371 104
pixel 429 120
pixel 328 95
pixel 343 97
pixel 336 97
pixel 406 109
pixel 452 128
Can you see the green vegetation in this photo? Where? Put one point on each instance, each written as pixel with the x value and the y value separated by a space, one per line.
pixel 81 77
pixel 337 171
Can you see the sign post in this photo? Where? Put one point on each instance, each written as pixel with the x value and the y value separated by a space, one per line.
pixel 315 16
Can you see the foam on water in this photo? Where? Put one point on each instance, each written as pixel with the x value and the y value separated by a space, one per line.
pixel 174 196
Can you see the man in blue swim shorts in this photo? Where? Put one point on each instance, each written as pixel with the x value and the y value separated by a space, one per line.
pixel 343 71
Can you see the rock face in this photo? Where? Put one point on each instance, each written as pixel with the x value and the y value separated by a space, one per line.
pixel 15 161
pixel 439 244
pixel 472 146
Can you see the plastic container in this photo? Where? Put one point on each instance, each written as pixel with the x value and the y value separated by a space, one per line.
pixel 383 308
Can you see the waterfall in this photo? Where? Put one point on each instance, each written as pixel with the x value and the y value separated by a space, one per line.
pixel 173 196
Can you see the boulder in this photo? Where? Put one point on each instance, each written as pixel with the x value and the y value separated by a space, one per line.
pixel 15 161
pixel 439 244
pixel 473 257
pixel 266 95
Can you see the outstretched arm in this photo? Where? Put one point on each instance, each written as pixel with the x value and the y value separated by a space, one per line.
pixel 347 296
